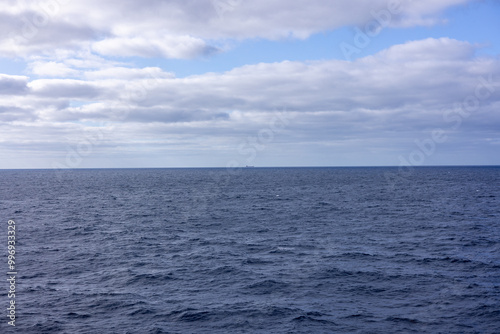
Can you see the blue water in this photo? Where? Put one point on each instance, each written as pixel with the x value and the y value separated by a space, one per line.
pixel 261 250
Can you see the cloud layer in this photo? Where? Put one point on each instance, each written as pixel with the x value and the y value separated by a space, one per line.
pixel 80 96
pixel 187 28
pixel 390 98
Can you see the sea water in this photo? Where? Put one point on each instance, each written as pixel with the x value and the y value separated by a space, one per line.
pixel 255 250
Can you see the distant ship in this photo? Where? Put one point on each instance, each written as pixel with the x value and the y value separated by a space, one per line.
pixel 249 166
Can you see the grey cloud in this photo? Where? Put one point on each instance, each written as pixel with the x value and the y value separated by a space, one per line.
pixel 30 33
pixel 13 84
pixel 11 114
pixel 173 116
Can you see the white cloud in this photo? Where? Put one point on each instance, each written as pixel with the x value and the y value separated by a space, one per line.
pixel 124 73
pixel 163 47
pixel 384 84
pixel 52 69
pixel 186 29
pixel 430 49
pixel 423 13
pixel 376 102
pixel 81 56
pixel 65 88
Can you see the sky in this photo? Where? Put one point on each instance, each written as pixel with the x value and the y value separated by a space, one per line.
pixel 230 83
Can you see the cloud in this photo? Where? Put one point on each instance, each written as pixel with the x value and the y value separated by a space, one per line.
pixel 128 73
pixel 15 114
pixel 85 71
pixel 186 28
pixel 424 12
pixel 430 49
pixel 163 47
pixel 65 88
pixel 52 69
pixel 391 82
pixel 13 84
pixel 373 103
pixel 36 33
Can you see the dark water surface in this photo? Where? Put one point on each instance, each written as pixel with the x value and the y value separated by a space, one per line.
pixel 268 250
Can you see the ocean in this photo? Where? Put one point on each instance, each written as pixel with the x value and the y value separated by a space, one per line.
pixel 254 250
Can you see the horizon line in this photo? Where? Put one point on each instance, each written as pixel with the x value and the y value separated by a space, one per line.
pixel 249 167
